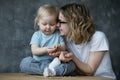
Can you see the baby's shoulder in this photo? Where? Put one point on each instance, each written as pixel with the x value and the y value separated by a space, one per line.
pixel 37 32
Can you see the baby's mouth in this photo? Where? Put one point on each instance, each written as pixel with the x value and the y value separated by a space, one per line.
pixel 47 31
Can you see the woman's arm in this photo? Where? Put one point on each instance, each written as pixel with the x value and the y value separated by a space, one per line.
pixel 93 62
pixel 85 68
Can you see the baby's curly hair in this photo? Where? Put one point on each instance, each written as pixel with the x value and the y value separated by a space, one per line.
pixel 80 22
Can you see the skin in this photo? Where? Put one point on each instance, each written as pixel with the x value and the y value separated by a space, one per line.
pixel 94 59
pixel 62 26
pixel 47 25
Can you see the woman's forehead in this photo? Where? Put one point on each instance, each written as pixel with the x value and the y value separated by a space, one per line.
pixel 61 16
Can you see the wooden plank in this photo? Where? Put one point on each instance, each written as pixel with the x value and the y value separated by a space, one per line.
pixel 22 76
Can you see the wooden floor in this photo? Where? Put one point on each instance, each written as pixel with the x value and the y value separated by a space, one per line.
pixel 21 76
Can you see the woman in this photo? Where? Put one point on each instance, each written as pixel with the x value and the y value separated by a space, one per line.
pixel 89 48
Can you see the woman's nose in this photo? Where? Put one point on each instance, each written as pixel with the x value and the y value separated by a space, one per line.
pixel 58 24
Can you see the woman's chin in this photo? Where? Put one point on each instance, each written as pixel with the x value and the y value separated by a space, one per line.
pixel 62 34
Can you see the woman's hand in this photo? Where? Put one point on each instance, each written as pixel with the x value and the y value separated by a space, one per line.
pixel 65 56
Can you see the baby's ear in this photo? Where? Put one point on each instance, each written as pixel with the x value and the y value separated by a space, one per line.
pixel 38 23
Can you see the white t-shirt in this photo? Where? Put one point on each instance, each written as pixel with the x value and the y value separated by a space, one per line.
pixel 98 42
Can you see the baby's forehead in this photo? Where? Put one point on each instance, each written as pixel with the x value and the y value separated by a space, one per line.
pixel 49 18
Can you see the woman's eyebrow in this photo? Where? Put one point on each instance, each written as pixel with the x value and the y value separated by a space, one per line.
pixel 58 20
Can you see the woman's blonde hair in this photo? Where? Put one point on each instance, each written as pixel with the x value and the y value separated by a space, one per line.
pixel 45 10
pixel 80 22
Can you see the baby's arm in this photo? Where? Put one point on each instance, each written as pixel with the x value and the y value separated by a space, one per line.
pixel 38 50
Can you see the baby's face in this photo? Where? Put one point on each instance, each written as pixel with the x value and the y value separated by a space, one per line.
pixel 47 24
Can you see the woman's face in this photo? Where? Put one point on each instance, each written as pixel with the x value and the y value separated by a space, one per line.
pixel 63 25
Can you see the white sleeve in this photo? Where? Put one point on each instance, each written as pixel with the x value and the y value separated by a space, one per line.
pixel 99 42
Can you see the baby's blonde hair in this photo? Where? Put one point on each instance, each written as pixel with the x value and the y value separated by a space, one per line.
pixel 80 22
pixel 45 10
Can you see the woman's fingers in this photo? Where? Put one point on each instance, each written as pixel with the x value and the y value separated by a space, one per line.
pixel 68 55
pixel 65 56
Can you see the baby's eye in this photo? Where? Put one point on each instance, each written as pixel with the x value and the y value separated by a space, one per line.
pixel 44 24
pixel 52 24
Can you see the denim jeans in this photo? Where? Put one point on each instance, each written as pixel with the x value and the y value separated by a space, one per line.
pixel 31 66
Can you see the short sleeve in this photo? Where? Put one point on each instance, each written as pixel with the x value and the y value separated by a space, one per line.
pixel 35 38
pixel 99 42
pixel 61 38
pixel 62 41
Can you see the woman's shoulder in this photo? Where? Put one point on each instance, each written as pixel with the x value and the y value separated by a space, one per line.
pixel 99 42
pixel 98 34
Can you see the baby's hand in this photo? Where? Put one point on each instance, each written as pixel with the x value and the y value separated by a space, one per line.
pixel 57 47
pixel 55 54
pixel 50 50
pixel 55 50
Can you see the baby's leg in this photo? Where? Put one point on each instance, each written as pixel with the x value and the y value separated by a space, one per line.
pixel 54 63
pixel 31 66
pixel 49 71
pixel 65 68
